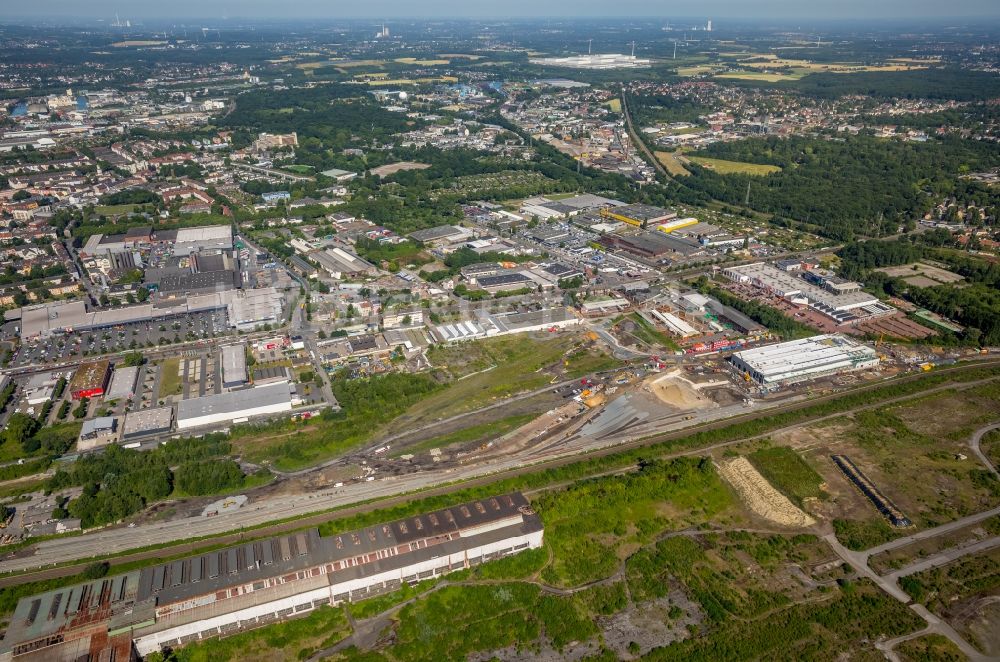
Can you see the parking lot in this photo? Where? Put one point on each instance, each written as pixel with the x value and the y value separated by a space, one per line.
pixel 138 335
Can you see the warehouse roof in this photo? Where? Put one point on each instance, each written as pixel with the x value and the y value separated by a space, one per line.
pixel 142 421
pixel 440 232
pixel 90 375
pixel 206 233
pixel 122 383
pixel 234 402
pixel 234 364
pixel 820 353
pixel 503 279
pixel 173 581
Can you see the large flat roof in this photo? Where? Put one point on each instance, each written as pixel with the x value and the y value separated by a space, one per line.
pixel 122 383
pixel 233 402
pixel 90 375
pixel 822 353
pixel 141 421
pixel 234 363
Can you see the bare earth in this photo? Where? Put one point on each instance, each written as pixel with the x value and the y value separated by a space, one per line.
pixel 760 496
pixel 678 392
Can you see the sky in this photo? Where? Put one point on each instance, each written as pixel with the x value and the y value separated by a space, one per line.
pixel 719 10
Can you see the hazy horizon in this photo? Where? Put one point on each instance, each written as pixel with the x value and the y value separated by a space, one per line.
pixel 783 10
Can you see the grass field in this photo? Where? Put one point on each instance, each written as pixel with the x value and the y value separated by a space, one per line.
pixel 615 105
pixel 170 381
pixel 669 161
pixel 585 362
pixel 114 210
pixel 913 454
pixel 697 70
pixel 990 445
pixel 649 334
pixel 724 167
pixel 299 169
pixel 789 473
pixel 519 367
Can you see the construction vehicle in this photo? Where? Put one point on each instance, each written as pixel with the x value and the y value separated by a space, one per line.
pixel 926 367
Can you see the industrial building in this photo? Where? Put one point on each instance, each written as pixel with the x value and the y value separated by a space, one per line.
pixel 90 379
pixel 340 263
pixel 39 388
pixel 97 432
pixel 234 406
pixel 245 310
pixel 275 374
pixel 123 383
pixel 143 422
pixel 594 61
pixel 442 235
pixel 674 324
pixel 799 360
pixel 843 303
pixel 234 366
pixel 500 324
pixel 225 591
pixel 640 215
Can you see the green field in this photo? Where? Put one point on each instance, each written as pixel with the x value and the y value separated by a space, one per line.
pixel 586 362
pixel 649 334
pixel 114 210
pixel 519 362
pixel 764 76
pixel 170 380
pixel 724 167
pixel 669 161
pixel 299 169
pixel 789 473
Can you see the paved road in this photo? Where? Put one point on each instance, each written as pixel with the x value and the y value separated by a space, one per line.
pixel 976 440
pixel 944 558
pixel 930 533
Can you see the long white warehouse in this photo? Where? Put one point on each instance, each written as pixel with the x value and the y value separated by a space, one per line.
pixel 234 406
pixel 256 583
pixel 798 360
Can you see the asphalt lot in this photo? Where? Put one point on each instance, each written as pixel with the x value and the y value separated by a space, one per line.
pixel 139 335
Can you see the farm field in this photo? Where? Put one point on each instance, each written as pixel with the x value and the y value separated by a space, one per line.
pixel 760 76
pixel 673 165
pixel 724 167
pixel 422 63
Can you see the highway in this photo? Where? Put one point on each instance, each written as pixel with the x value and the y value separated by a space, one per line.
pixel 104 542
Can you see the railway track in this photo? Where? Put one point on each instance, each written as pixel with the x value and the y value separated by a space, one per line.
pixel 318 518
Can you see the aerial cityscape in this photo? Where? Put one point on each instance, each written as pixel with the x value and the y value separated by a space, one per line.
pixel 477 332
